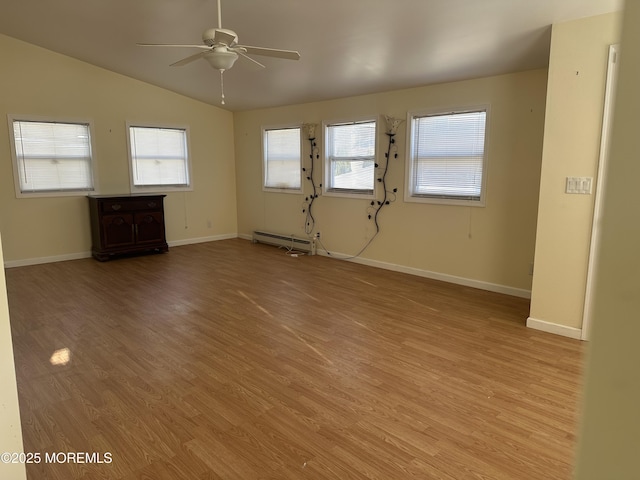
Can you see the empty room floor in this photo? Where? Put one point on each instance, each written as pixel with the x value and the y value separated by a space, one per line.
pixel 232 360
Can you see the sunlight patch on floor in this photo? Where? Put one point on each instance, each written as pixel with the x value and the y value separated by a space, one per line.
pixel 258 306
pixel 61 357
pixel 307 344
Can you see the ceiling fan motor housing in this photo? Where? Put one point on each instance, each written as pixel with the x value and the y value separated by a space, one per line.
pixel 209 36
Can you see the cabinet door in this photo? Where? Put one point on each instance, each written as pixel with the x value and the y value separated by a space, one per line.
pixel 149 227
pixel 118 230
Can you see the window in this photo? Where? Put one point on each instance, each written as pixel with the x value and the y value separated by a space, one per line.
pixel 51 157
pixel 159 158
pixel 446 157
pixel 350 157
pixel 281 155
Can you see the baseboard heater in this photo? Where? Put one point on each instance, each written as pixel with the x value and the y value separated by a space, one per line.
pixel 287 241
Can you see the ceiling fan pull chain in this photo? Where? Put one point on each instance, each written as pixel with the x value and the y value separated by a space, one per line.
pixel 222 85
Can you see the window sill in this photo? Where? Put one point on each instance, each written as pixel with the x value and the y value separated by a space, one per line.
pixel 55 193
pixel 160 189
pixel 295 191
pixel 444 201
pixel 349 193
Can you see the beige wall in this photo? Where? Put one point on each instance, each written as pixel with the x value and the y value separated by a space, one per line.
pixel 36 81
pixel 10 430
pixel 575 102
pixel 493 244
pixel 610 439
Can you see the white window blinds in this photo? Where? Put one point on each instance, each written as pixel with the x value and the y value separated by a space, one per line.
pixel 282 158
pixel 159 156
pixel 52 156
pixel 351 150
pixel 447 155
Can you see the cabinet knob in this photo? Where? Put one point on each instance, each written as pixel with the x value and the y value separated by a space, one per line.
pixel 116 206
pixel 152 204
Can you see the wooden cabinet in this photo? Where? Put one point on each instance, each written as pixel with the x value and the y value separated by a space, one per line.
pixel 126 224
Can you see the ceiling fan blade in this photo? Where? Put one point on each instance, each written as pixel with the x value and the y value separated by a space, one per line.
pixel 189 59
pixel 224 37
pixel 249 58
pixel 272 52
pixel 170 45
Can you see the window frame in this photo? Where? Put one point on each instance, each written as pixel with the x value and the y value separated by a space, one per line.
pixel 409 196
pixel 188 187
pixel 343 192
pixel 263 153
pixel 11 118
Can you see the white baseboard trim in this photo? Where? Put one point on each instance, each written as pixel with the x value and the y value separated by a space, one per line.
pixel 555 328
pixel 191 241
pixel 76 256
pixel 244 236
pixel 467 282
pixel 37 261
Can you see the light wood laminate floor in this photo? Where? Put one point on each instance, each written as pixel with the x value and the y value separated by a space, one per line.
pixel 229 360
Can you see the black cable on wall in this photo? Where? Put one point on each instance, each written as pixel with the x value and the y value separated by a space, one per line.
pixel 389 196
pixel 307 206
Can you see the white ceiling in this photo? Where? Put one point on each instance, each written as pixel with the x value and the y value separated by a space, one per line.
pixel 347 47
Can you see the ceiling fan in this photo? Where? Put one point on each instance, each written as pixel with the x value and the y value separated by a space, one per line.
pixel 221 49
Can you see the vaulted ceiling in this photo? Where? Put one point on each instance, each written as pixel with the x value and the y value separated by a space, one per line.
pixel 347 47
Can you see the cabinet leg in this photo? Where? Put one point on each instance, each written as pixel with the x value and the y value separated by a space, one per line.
pixel 101 257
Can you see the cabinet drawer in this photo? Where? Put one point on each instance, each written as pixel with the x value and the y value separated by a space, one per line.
pixel 128 205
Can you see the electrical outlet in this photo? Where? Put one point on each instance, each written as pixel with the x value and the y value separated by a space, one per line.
pixel 317 234
pixel 208 223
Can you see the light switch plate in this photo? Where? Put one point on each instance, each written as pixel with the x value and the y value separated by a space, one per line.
pixel 579 185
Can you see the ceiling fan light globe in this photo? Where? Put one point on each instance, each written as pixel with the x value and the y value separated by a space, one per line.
pixel 221 60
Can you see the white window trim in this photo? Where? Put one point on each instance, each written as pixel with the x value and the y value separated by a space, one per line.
pixel 159 188
pixel 53 193
pixel 330 192
pixel 408 197
pixel 296 191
